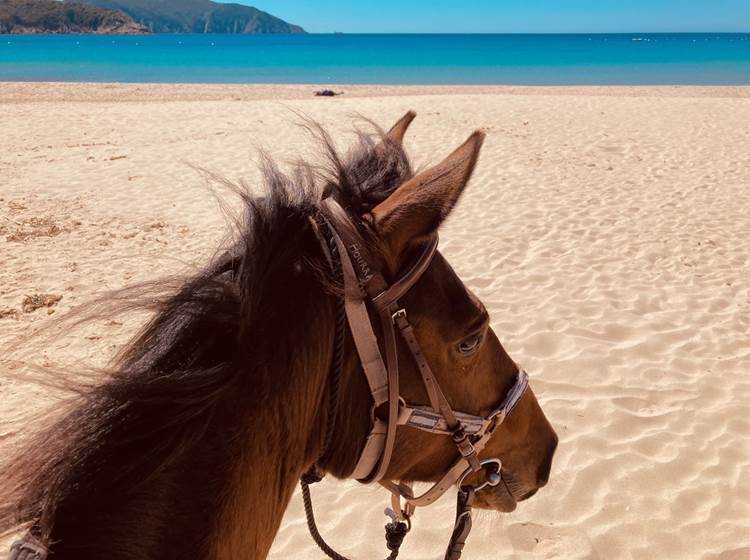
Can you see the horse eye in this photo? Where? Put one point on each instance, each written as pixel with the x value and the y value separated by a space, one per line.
pixel 471 344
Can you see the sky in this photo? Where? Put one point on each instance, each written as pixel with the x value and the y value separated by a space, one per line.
pixel 510 16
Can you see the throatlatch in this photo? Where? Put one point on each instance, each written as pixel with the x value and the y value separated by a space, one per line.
pixel 363 282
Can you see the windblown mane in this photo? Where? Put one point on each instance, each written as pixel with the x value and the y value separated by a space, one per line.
pixel 173 382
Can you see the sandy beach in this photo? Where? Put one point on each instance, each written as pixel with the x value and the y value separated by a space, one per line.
pixel 607 230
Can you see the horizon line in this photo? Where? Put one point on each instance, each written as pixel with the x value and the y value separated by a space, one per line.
pixel 337 32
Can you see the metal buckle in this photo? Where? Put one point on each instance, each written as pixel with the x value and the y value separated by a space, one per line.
pixel 398 513
pixel 463 443
pixel 496 418
pixel 470 450
pixel 404 517
pixel 400 314
pixel 491 479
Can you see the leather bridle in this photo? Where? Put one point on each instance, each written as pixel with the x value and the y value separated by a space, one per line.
pixel 364 284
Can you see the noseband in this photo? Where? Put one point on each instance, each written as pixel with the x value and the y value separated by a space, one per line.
pixel 365 289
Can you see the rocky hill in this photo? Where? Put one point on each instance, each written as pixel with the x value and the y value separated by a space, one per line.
pixel 50 16
pixel 197 16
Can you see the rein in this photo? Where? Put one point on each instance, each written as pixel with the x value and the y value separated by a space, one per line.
pixel 364 284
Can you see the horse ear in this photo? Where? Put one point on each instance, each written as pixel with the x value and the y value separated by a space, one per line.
pixel 418 207
pixel 397 131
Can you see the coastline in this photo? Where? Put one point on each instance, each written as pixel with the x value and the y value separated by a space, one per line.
pixel 31 92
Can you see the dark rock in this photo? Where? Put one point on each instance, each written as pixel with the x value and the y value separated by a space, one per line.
pixel 328 93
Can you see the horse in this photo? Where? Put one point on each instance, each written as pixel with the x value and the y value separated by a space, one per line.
pixel 193 445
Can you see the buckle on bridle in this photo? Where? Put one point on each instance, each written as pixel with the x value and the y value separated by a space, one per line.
pixel 497 417
pixel 463 443
pixel 404 517
pixel 400 314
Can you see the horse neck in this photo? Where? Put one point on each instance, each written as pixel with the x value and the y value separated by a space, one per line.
pixel 283 442
pixel 225 498
pixel 279 443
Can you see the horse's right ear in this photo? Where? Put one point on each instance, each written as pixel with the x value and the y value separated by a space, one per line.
pixel 397 131
pixel 418 207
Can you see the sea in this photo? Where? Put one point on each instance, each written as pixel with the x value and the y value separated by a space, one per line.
pixel 569 59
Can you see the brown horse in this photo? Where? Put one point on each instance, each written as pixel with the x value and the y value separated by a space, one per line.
pixel 193 447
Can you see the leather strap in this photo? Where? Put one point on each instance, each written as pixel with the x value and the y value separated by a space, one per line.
pixel 361 329
pixel 449 479
pixel 389 311
pixel 367 271
pixel 380 377
pixel 382 438
pixel 424 418
pixel 372 451
pixel 437 399
pixel 382 435
pixel 391 360
pixel 462 526
pixel 389 297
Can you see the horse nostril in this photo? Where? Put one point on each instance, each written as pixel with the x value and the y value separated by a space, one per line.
pixel 542 476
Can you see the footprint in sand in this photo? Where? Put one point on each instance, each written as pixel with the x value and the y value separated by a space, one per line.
pixel 551 542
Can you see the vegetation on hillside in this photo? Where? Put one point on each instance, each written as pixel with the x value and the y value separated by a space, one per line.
pixel 197 16
pixel 49 16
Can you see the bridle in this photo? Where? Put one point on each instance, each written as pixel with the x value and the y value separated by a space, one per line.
pixel 363 283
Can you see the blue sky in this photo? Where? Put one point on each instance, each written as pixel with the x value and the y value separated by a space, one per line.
pixel 510 16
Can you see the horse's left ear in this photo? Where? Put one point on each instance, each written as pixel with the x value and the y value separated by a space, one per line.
pixel 417 208
pixel 397 131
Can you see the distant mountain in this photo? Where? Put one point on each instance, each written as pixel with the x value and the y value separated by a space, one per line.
pixel 197 16
pixel 50 16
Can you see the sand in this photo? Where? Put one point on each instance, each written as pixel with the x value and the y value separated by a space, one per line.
pixel 606 229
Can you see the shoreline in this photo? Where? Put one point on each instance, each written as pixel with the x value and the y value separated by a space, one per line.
pixel 35 92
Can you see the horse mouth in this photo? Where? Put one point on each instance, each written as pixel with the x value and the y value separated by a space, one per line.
pixel 505 496
pixel 498 498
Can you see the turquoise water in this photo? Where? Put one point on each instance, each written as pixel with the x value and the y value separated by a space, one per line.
pixel 706 58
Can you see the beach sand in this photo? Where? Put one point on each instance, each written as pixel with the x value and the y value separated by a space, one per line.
pixel 606 229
